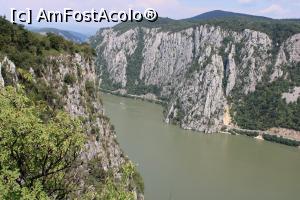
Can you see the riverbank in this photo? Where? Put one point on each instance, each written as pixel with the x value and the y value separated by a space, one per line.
pixel 270 135
pixel 276 135
pixel 123 93
pixel 181 164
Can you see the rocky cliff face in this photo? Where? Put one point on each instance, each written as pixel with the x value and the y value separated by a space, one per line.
pixel 71 83
pixel 197 70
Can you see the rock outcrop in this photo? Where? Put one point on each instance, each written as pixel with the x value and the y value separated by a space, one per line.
pixel 196 69
pixel 80 98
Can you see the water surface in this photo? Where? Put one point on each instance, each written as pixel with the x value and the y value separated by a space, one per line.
pixel 184 165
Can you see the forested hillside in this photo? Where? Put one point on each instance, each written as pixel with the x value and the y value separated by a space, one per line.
pixel 68 35
pixel 55 141
pixel 202 65
pixel 28 49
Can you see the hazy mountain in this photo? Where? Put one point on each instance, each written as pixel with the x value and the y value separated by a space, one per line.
pixel 68 35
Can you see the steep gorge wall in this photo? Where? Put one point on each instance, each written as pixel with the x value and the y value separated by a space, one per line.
pixel 79 96
pixel 196 70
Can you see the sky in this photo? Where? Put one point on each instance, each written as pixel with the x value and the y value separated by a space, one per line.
pixel 175 9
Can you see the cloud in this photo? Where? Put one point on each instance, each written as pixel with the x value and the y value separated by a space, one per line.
pixel 274 9
pixel 176 9
pixel 169 8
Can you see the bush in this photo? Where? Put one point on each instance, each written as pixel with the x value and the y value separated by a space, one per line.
pixel 281 140
pixel 27 49
pixel 247 133
pixel 90 87
pixel 36 154
pixel 70 79
pixel 138 180
pixel 265 108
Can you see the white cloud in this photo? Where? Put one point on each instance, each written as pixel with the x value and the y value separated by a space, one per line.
pixel 274 9
pixel 169 8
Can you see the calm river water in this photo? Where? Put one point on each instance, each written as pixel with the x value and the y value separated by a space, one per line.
pixel 184 165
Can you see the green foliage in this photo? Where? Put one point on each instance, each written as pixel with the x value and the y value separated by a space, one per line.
pixel 165 24
pixel 134 85
pixel 237 57
pixel 281 140
pixel 134 65
pixel 25 75
pixel 138 181
pixel 113 190
pixel 265 108
pixel 141 89
pixel 225 43
pixel 176 119
pixel 106 83
pixel 27 49
pixel 39 90
pixel 194 68
pixel 79 70
pixel 90 87
pixel 244 132
pixel 56 42
pixel 7 77
pixel 278 30
pixel 70 79
pixel 64 90
pixel 11 189
pixel 232 132
pixel 36 152
pixel 109 187
pixel 40 143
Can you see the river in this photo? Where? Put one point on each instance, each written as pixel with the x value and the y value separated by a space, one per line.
pixel 183 165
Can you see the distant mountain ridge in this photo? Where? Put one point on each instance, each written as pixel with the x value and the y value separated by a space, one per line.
pixel 278 29
pixel 207 67
pixel 219 14
pixel 68 35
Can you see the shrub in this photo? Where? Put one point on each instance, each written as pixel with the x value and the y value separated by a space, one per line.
pixel 265 108
pixel 281 140
pixel 247 133
pixel 70 79
pixel 35 154
pixel 27 49
pixel 90 87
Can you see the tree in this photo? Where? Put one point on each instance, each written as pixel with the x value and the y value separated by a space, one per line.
pixel 57 42
pixel 36 154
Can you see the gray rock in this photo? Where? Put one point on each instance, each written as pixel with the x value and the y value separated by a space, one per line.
pixel 292 96
pixel 102 144
pixel 1 77
pixel 195 68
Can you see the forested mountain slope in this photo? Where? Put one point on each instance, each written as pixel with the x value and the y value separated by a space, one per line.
pixel 56 142
pixel 247 67
pixel 68 35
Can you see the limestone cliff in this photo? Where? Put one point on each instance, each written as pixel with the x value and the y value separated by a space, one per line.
pixel 70 82
pixel 197 70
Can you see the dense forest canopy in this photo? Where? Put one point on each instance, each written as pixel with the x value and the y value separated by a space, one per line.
pixel 265 108
pixel 36 152
pixel 278 29
pixel 27 49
